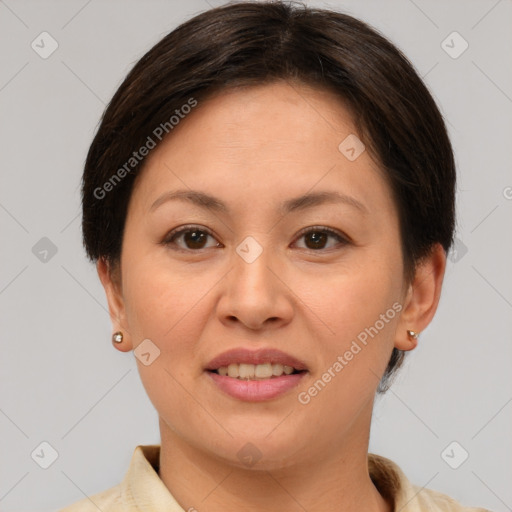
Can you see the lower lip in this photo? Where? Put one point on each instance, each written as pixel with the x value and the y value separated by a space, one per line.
pixel 256 390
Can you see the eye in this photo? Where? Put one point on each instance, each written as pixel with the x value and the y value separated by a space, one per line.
pixel 194 238
pixel 317 237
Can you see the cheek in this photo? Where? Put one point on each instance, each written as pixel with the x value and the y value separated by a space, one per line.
pixel 362 313
pixel 166 304
pixel 351 298
pixel 360 309
pixel 167 307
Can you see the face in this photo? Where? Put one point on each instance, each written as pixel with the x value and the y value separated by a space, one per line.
pixel 318 279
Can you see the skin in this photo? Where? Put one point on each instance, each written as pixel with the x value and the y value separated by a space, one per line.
pixel 254 148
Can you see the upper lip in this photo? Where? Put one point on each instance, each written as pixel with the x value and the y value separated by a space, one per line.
pixel 260 356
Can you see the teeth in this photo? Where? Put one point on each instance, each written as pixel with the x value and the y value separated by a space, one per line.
pixel 263 371
pixel 246 371
pixel 254 371
pixel 277 369
pixel 233 370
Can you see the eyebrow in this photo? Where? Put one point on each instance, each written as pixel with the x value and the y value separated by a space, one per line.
pixel 303 202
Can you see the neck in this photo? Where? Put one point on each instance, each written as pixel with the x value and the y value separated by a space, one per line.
pixel 337 480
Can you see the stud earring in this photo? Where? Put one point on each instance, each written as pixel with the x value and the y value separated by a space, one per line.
pixel 412 334
pixel 117 337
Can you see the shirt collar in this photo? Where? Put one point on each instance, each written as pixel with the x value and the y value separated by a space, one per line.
pixel 392 483
pixel 142 487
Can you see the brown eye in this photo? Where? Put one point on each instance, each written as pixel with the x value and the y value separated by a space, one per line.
pixel 317 238
pixel 192 238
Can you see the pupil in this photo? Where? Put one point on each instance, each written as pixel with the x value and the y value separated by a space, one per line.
pixel 317 238
pixel 195 238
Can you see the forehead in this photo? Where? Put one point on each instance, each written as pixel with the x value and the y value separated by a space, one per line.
pixel 263 142
pixel 282 113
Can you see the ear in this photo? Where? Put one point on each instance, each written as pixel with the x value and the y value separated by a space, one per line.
pixel 110 278
pixel 422 298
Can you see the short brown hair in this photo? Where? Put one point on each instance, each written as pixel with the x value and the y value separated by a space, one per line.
pixel 253 43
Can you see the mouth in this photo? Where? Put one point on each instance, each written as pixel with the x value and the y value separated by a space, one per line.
pixel 255 376
pixel 244 371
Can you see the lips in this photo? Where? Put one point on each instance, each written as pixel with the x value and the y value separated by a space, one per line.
pixel 244 374
pixel 255 357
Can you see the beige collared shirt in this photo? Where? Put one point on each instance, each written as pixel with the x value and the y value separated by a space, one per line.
pixel 143 490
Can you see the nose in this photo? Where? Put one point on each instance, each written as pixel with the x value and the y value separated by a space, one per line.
pixel 255 293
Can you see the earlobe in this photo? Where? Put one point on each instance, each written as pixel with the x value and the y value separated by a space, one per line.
pixel 422 299
pixel 111 280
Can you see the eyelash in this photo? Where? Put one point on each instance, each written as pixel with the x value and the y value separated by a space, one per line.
pixel 173 235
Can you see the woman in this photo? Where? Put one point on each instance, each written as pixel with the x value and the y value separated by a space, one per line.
pixel 269 200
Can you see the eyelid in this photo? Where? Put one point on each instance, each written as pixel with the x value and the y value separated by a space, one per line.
pixel 183 229
pixel 339 235
pixel 342 237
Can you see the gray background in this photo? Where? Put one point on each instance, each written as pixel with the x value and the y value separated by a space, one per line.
pixel 61 380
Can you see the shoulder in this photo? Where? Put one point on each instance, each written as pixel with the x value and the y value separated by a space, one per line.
pixel 109 500
pixel 428 499
pixel 393 484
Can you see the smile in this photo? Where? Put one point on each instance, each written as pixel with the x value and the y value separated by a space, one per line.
pixel 244 371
